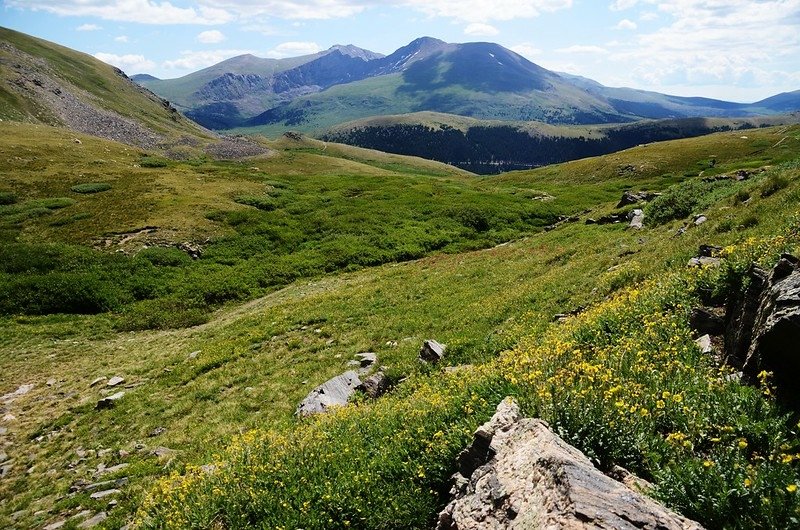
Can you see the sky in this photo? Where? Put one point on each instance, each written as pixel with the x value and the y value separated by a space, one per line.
pixel 734 50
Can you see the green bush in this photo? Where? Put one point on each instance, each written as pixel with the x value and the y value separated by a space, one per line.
pixel 163 313
pixel 164 257
pixel 262 202
pixel 774 184
pixel 59 292
pixel 153 161
pixel 91 187
pixel 7 197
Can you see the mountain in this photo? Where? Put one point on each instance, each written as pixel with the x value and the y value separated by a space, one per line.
pixel 480 79
pixel 42 82
pixel 226 93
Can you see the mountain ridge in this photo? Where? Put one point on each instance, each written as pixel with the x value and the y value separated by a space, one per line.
pixel 476 79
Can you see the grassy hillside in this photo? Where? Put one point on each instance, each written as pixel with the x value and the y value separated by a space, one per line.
pixel 488 147
pixel 42 82
pixel 200 390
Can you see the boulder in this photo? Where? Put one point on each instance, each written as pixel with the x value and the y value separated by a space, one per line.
pixel 707 320
pixel 431 352
pixel 741 309
pixel 636 218
pixel 109 401
pixel 776 329
pixel 376 385
pixel 523 476
pixel 334 392
pixel 114 381
pixel 705 345
pixel 630 197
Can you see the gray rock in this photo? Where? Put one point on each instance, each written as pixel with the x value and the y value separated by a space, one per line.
pixel 636 218
pixel 194 354
pixel 432 352
pixel 532 479
pixel 700 219
pixel 704 343
pixel 334 392
pixel 367 359
pixel 707 320
pixel 3 457
pixel 97 380
pixel 163 453
pixel 55 526
pixel 704 261
pixel 376 385
pixel 3 431
pixel 109 401
pixel 81 515
pixel 630 197
pixel 112 469
pixel 776 329
pixel 94 521
pixel 21 391
pixel 104 493
pixel 114 381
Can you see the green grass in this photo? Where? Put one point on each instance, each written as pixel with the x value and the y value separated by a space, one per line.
pixel 91 187
pixel 258 359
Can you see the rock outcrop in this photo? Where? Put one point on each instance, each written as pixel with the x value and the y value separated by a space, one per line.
pixel 770 309
pixel 431 352
pixel 519 474
pixel 334 392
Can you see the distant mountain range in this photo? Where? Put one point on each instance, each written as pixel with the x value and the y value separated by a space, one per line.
pixel 480 80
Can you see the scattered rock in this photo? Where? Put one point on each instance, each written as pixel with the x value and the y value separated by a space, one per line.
pixel 367 359
pixel 163 453
pixel 114 381
pixel 334 392
pixel 81 515
pixel 376 385
pixel 192 249
pixel 700 219
pixel 105 493
pixel 630 197
pixel 636 218
pixel 703 261
pixel 76 141
pixel 194 354
pixel 109 401
pixel 705 345
pixel 6 468
pixel 112 469
pixel 709 251
pixel 55 526
pixel 707 320
pixel 21 391
pixel 97 381
pixel 94 521
pixel 50 382
pixel 157 431
pixel 431 352
pixel 519 474
pixel 9 418
pixel 3 457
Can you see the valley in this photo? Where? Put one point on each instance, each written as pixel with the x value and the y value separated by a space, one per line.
pixel 168 297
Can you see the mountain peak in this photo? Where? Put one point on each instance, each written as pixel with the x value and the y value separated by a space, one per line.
pixel 354 51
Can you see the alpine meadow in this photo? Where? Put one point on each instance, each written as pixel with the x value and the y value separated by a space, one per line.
pixel 441 287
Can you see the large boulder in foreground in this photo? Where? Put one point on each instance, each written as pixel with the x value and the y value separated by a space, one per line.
pixel 775 314
pixel 532 479
pixel 334 392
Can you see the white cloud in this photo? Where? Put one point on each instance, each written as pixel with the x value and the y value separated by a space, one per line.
pixel 626 24
pixel 482 10
pixel 731 44
pixel 476 29
pixel 121 38
pixel 195 60
pixel 527 50
pixel 142 11
pixel 88 27
pixel 291 9
pixel 293 49
pixel 212 36
pixel 594 50
pixel 648 16
pixel 621 5
pixel 130 63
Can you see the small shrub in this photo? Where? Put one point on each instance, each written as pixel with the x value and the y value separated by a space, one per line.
pixel 774 184
pixel 749 222
pixel 7 197
pixel 91 187
pixel 262 202
pixel 59 292
pixel 153 161
pixel 164 257
pixel 742 196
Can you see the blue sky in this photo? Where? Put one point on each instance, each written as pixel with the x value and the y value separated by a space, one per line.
pixel 729 49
